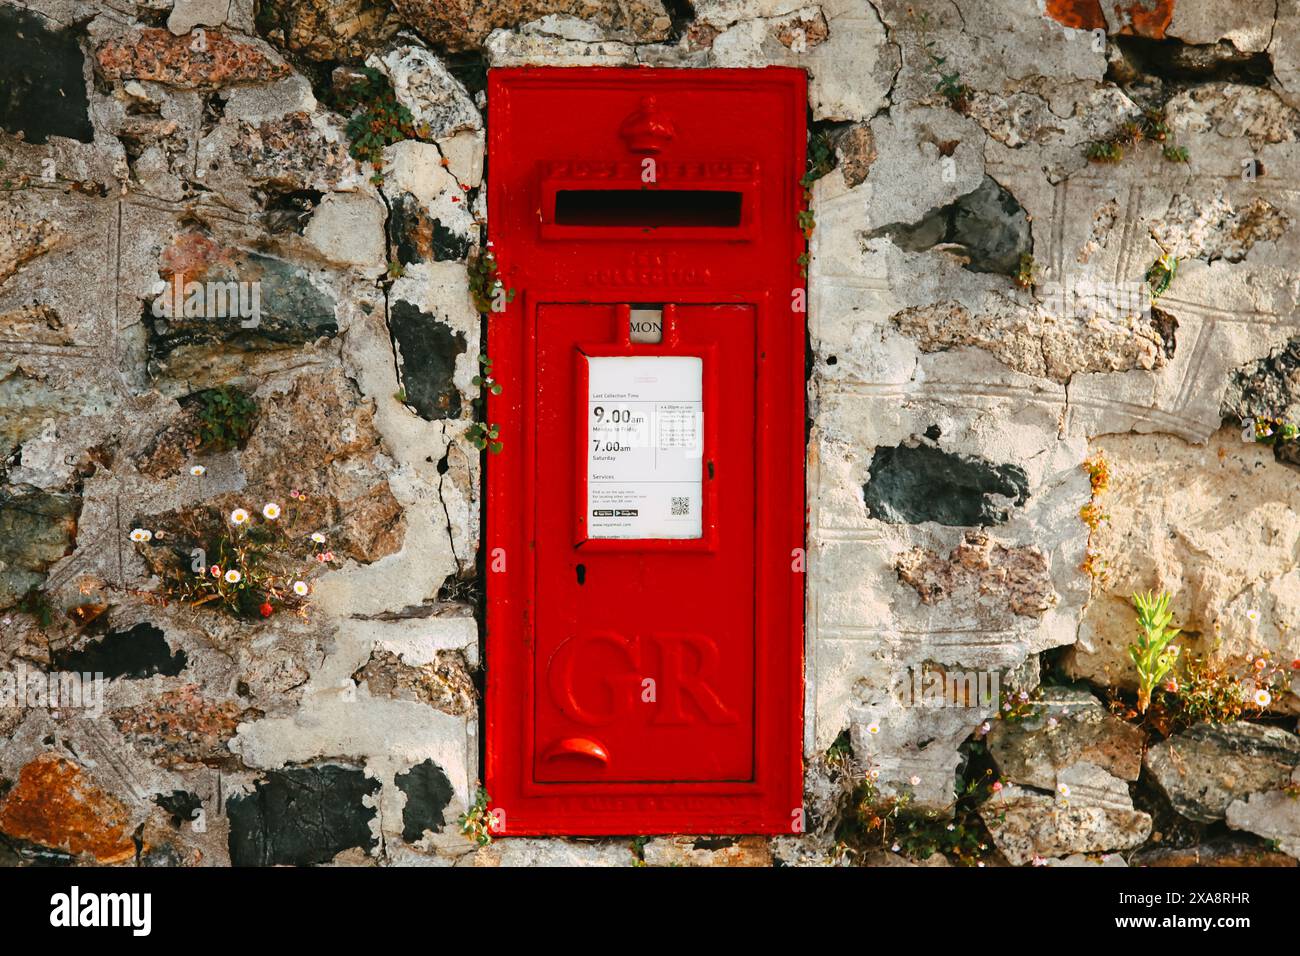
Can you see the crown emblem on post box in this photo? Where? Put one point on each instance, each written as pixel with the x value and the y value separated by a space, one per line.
pixel 649 129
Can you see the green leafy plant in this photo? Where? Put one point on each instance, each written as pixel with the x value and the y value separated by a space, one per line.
pixel 1026 271
pixel 1219 692
pixel 1160 275
pixel 1271 431
pixel 947 84
pixel 1152 126
pixel 377 119
pixel 1154 654
pixel 250 566
pixel 484 285
pixel 226 416
pixel 475 822
pixel 876 821
pixel 821 159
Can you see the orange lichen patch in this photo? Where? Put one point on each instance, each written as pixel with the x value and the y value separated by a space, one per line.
pixel 1145 18
pixel 53 804
pixel 1079 14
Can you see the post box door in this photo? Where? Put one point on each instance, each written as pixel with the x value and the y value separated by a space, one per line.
pixel 645 580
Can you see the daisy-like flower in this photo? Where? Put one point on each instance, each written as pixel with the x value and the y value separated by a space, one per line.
pixel 873 727
pixel 239 516
pixel 1063 789
pixel 914 780
pixel 233 576
pixel 317 537
pixel 270 511
pixel 300 588
pixel 1263 698
pixel 1253 616
pixel 875 773
pixel 1260 663
pixel 198 471
pixel 141 535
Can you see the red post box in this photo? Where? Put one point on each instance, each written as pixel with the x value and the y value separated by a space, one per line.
pixel 645 517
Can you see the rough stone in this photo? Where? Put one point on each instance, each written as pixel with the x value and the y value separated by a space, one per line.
pixel 427 348
pixel 1207 767
pixel 1267 388
pixel 436 99
pixel 1220 852
pixel 444 683
pixel 1068 726
pixel 23 237
pixel 179 61
pixel 328 29
pixel 1025 825
pixel 984 572
pixel 36 529
pixel 137 653
pixel 347 229
pixel 1048 343
pixel 184 728
pixel 708 851
pixel 986 227
pixel 1177 515
pixel 54 804
pixel 188 14
pixel 428 794
pixel 301 816
pixel 42 90
pixel 916 483
pixel 463 24
pixel 1274 815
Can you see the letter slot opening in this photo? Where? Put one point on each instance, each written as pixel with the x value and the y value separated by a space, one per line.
pixel 648 208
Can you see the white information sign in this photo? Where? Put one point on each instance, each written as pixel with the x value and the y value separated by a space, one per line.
pixel 645 441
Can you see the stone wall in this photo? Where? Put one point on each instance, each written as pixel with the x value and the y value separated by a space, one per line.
pixel 1052 292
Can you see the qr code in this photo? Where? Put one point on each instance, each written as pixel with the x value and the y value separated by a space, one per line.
pixel 681 506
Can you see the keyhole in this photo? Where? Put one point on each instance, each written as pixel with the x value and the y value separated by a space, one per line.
pixel 582 574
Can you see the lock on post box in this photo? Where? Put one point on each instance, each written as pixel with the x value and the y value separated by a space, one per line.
pixel 645 517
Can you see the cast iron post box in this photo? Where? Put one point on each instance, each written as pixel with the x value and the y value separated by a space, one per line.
pixel 645 516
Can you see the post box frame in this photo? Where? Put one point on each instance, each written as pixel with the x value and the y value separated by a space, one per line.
pixel 772 801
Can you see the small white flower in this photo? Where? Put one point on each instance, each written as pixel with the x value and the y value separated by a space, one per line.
pixel 300 588
pixel 985 727
pixel 1063 789
pixel 198 471
pixel 895 847
pixel 1253 616
pixel 141 535
pixel 875 773
pixel 914 780
pixel 873 727
pixel 1263 698
pixel 951 827
pixel 238 516
pixel 233 576
pixel 270 511
pixel 1052 721
pixel 318 537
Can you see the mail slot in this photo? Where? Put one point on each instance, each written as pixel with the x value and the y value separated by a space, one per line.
pixel 645 515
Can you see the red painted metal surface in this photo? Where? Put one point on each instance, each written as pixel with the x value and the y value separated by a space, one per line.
pixel 579 626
